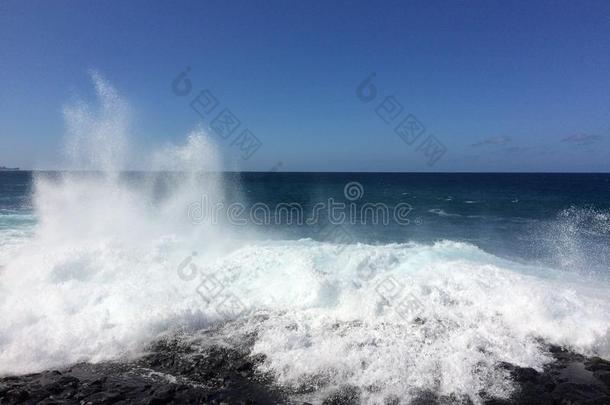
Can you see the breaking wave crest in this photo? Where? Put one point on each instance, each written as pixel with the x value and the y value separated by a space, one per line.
pixel 99 280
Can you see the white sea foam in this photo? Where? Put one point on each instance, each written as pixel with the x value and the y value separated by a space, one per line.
pixel 474 311
pixel 102 258
pixel 99 280
pixel 442 213
pixel 96 301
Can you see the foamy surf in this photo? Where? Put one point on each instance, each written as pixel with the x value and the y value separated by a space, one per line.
pixel 114 264
pixel 326 321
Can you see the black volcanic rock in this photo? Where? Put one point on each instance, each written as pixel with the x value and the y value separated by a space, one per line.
pixel 569 380
pixel 176 371
pixel 169 374
pixel 345 395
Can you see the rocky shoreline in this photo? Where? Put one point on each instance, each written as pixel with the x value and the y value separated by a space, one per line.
pixel 173 372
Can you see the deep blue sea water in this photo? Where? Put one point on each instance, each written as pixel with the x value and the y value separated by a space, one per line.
pixel 524 216
pixel 527 216
pixel 479 270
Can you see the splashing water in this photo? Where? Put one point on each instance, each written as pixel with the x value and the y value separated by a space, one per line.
pixel 98 278
pixel 579 241
pixel 98 281
pixel 97 137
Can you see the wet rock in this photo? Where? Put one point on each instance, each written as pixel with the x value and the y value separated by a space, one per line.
pixel 176 371
pixel 345 395
pixel 597 364
pixel 170 373
pixel 604 377
pixel 569 380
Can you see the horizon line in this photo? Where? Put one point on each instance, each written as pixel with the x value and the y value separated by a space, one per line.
pixel 298 172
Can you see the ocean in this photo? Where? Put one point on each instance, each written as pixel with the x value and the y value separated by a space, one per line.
pixel 390 282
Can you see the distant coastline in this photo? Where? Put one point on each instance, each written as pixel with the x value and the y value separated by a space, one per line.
pixel 8 169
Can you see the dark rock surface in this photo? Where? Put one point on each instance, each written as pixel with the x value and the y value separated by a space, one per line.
pixel 165 376
pixel 571 380
pixel 178 371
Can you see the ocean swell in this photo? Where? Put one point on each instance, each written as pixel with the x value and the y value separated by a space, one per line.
pixel 114 264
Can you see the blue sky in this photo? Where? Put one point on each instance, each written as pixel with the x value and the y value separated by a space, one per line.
pixel 502 85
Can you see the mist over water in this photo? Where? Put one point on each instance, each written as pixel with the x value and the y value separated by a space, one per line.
pixel 97 280
pixel 95 276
